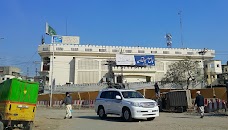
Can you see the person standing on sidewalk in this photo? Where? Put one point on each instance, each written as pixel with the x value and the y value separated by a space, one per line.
pixel 157 90
pixel 68 101
pixel 200 103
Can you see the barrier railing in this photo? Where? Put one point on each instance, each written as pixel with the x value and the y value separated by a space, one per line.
pixel 75 104
pixel 214 104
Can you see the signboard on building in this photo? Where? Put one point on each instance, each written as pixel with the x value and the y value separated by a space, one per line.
pixel 146 60
pixel 125 59
pixel 65 39
pixel 57 39
pixel 136 60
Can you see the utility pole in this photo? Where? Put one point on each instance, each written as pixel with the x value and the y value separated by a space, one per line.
pixel 180 14
pixel 27 75
pixel 121 52
pixel 36 63
pixel 203 52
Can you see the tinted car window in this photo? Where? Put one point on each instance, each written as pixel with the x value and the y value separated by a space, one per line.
pixel 109 94
pixel 103 94
pixel 115 93
pixel 132 94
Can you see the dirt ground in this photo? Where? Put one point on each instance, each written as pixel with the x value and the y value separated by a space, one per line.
pixel 52 119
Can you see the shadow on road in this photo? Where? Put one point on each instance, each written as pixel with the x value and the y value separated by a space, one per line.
pixel 184 117
pixel 55 118
pixel 111 119
pixel 218 115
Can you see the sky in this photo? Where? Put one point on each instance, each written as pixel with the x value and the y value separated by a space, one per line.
pixel 110 22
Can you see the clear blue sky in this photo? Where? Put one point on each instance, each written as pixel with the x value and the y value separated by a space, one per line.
pixel 111 22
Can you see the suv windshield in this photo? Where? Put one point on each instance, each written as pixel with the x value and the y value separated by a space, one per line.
pixel 132 94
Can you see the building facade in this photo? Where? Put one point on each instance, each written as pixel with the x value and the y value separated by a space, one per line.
pixel 223 77
pixel 9 70
pixel 213 68
pixel 78 64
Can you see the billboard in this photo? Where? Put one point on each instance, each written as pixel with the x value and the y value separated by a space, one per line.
pixel 135 60
pixel 147 60
pixel 65 39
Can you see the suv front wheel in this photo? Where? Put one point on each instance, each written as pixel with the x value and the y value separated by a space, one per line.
pixel 101 112
pixel 127 114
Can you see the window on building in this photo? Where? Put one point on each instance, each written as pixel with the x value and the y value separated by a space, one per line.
pixel 205 66
pixel 141 51
pixel 74 49
pixel 212 65
pixel 102 50
pixel 45 49
pixel 115 50
pixel 177 52
pixel 212 54
pixel 154 52
pixel 7 78
pixel 165 52
pixel 128 51
pixel 190 53
pixel 218 65
pixel 88 49
pixel 3 78
pixel 207 76
pixel 225 69
pixel 59 48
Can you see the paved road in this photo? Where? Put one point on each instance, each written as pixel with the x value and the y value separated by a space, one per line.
pixel 47 119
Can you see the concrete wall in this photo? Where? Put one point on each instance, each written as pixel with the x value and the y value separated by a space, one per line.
pixel 149 93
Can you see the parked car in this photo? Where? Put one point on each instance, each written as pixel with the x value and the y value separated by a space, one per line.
pixel 128 104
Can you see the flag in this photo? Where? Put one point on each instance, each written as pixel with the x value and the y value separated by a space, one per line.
pixel 49 30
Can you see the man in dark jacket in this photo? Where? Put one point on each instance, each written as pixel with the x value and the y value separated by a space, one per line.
pixel 200 103
pixel 68 101
pixel 157 90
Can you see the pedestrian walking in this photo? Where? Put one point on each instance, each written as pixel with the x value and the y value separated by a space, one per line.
pixel 157 90
pixel 200 103
pixel 68 101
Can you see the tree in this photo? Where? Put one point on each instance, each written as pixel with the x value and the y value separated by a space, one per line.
pixel 181 73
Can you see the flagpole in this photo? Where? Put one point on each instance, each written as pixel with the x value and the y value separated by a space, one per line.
pixel 52 68
pixel 50 31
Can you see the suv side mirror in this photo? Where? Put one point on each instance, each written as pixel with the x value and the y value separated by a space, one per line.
pixel 118 97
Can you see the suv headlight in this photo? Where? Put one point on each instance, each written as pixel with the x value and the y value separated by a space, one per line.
pixel 155 104
pixel 136 104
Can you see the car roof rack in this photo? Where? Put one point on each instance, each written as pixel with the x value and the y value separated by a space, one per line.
pixel 116 86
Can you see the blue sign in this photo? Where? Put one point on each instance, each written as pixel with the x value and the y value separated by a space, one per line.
pixel 57 39
pixel 146 60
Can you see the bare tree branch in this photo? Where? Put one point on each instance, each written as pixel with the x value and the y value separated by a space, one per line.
pixel 181 73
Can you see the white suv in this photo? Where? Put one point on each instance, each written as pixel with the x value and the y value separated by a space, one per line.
pixel 128 104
